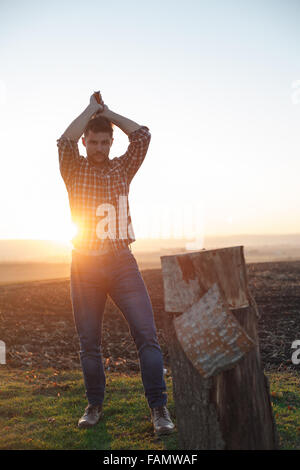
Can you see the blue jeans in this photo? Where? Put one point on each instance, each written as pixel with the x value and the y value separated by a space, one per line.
pixel 92 278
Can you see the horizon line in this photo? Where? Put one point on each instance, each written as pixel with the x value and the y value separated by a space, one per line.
pixel 166 238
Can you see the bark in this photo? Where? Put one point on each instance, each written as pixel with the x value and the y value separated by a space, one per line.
pixel 229 408
pixel 196 413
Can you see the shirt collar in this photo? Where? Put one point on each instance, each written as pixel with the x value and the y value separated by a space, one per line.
pixel 99 166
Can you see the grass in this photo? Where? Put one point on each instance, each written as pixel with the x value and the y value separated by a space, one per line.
pixel 40 409
pixel 285 396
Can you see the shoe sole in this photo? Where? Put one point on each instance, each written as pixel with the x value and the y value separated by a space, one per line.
pixel 85 424
pixel 164 432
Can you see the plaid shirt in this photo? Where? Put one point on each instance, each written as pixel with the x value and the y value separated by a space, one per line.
pixel 98 193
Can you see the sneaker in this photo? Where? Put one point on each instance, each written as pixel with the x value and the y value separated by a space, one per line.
pixel 91 416
pixel 161 420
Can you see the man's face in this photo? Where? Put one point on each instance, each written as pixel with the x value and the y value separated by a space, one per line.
pixel 98 145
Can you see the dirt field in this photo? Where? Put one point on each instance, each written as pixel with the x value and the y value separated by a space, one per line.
pixel 37 327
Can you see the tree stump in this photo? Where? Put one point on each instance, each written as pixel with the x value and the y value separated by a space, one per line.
pixel 221 394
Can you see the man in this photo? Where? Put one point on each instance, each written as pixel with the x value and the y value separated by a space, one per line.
pixel 102 261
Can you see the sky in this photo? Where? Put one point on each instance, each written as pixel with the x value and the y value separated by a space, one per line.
pixel 217 83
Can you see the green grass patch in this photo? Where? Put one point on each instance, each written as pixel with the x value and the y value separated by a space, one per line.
pixel 40 410
pixel 285 397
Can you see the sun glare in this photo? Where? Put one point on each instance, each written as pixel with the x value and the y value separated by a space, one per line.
pixel 66 233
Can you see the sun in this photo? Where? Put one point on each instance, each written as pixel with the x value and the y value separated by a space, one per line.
pixel 66 233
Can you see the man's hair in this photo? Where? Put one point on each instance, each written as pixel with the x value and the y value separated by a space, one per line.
pixel 99 124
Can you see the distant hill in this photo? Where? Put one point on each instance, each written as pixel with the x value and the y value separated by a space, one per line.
pixel 256 246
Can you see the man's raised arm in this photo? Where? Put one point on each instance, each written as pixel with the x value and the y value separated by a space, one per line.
pixel 139 138
pixel 67 144
pixel 76 128
pixel 125 124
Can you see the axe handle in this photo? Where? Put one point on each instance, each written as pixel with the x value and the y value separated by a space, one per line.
pixel 98 96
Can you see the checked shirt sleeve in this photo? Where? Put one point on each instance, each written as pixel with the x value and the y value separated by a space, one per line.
pixel 69 157
pixel 139 141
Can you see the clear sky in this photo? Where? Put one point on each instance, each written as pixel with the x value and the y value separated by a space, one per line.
pixel 217 82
